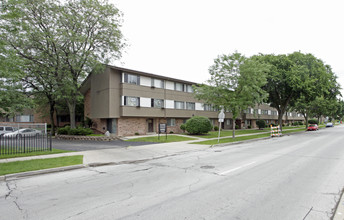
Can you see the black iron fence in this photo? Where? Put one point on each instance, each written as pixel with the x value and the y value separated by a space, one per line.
pixel 21 144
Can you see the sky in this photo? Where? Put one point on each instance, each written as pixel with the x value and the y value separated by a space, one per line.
pixel 181 38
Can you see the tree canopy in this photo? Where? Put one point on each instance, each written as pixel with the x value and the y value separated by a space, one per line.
pixel 235 84
pixel 61 42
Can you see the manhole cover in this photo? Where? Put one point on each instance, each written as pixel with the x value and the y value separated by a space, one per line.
pixel 207 167
pixel 217 151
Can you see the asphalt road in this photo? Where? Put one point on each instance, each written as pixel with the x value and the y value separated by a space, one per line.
pixel 293 177
pixel 74 145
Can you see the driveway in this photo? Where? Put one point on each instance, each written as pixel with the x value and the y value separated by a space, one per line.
pixel 74 145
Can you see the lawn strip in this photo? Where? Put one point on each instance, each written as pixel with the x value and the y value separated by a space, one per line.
pixel 170 138
pixel 228 133
pixel 38 153
pixel 230 140
pixel 39 164
pixel 243 138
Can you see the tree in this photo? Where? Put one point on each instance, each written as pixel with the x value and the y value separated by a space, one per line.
pixel 235 84
pixel 294 78
pixel 62 42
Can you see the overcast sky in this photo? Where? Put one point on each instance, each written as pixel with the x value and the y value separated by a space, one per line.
pixel 181 38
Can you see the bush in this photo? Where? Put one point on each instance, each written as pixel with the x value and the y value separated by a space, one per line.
pixel 137 133
pixel 261 124
pixel 183 127
pixel 300 123
pixel 171 132
pixel 198 125
pixel 249 127
pixel 236 126
pixel 216 128
pixel 74 131
pixel 313 121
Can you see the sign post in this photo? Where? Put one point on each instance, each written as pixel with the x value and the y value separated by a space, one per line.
pixel 162 129
pixel 221 119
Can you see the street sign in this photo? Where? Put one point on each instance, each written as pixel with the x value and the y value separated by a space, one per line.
pixel 221 116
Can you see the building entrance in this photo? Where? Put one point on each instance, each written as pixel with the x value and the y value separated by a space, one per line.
pixel 150 125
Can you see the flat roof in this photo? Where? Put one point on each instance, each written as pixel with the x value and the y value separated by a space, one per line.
pixel 150 74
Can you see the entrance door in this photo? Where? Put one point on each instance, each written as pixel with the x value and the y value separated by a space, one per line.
pixel 112 125
pixel 150 125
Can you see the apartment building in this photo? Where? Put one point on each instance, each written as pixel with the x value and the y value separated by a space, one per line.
pixel 128 102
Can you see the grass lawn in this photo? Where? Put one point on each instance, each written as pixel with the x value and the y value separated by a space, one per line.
pixel 170 138
pixel 39 164
pixel 228 133
pixel 53 151
pixel 243 138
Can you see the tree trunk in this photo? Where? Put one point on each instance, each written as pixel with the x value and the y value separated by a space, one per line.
pixel 52 110
pixel 280 117
pixel 71 107
pixel 233 135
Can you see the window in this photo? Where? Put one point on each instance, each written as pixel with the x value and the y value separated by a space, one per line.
pixel 189 88
pixel 179 87
pixel 132 79
pixel 158 83
pixel 207 107
pixel 24 118
pixel 131 101
pixel 157 103
pixel 190 106
pixel 178 105
pixel 228 122
pixel 265 112
pixel 171 122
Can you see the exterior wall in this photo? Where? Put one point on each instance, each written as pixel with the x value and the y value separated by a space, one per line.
pixel 130 126
pixel 104 99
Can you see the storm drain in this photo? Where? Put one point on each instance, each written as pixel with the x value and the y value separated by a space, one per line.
pixel 207 167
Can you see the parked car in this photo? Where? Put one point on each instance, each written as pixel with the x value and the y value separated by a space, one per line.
pixel 27 132
pixel 312 127
pixel 5 129
pixel 329 124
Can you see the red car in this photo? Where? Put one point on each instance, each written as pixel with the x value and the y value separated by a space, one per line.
pixel 312 127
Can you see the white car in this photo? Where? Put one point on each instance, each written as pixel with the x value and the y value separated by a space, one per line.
pixel 5 129
pixel 27 132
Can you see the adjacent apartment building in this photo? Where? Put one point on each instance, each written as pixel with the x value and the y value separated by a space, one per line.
pixel 127 102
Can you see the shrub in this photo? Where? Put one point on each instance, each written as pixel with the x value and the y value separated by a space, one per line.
pixel 300 123
pixel 137 133
pixel 183 127
pixel 216 128
pixel 74 131
pixel 236 126
pixel 198 125
pixel 261 124
pixel 171 132
pixel 249 127
pixel 313 121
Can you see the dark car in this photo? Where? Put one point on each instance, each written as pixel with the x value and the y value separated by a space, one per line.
pixel 312 127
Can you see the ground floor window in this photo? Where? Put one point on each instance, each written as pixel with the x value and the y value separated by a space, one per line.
pixel 171 122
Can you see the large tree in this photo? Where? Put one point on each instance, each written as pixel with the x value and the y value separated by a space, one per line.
pixel 61 42
pixel 235 84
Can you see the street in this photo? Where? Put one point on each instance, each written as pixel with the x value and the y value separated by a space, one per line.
pixel 299 176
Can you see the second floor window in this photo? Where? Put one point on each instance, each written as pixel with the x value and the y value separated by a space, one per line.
pixel 190 106
pixel 132 79
pixel 131 101
pixel 178 105
pixel 157 103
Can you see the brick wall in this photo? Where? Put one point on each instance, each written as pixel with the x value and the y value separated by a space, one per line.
pixel 130 126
